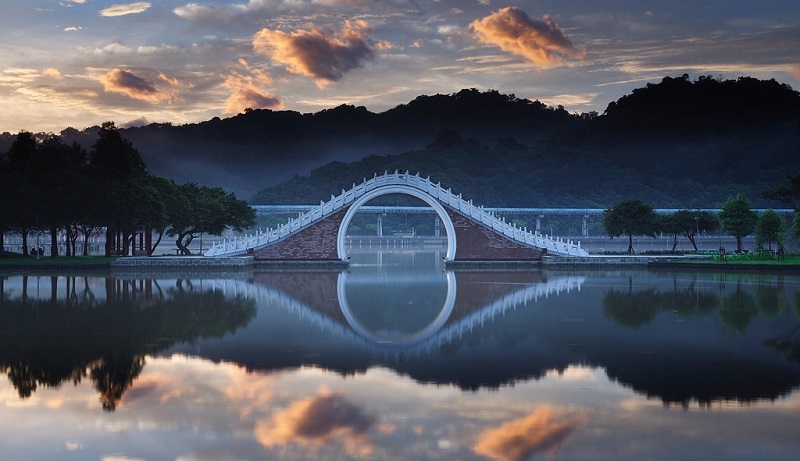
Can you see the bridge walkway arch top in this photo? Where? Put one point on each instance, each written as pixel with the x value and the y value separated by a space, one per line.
pixel 423 188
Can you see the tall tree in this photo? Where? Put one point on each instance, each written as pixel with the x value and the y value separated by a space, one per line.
pixel 6 204
pixel 59 170
pixel 630 217
pixel 769 229
pixel 24 195
pixel 117 168
pixel 738 219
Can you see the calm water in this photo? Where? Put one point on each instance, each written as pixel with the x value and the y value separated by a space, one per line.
pixel 397 359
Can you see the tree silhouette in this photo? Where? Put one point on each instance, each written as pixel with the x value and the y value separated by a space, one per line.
pixel 630 217
pixel 737 219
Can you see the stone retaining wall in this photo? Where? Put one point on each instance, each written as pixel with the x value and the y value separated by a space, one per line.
pixel 183 262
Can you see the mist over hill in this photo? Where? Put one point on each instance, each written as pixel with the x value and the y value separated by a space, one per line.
pixel 676 143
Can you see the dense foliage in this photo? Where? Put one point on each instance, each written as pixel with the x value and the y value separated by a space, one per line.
pixel 52 186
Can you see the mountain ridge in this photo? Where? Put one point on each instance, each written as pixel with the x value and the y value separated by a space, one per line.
pixel 663 131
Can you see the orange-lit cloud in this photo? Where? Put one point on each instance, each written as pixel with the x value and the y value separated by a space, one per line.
pixel 126 82
pixel 796 73
pixel 124 9
pixel 314 53
pixel 315 421
pixel 545 429
pixel 52 73
pixel 540 42
pixel 248 90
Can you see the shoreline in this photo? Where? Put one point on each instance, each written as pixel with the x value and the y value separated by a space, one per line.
pixel 249 264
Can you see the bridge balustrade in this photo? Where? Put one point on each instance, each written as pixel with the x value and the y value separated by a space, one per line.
pixel 446 196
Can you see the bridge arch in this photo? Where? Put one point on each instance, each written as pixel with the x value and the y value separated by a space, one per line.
pixel 341 247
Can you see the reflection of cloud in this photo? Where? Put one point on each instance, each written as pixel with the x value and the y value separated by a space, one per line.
pixel 315 54
pixel 545 429
pixel 124 9
pixel 540 42
pixel 316 420
pixel 126 82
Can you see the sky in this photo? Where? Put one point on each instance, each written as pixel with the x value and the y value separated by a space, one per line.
pixel 78 63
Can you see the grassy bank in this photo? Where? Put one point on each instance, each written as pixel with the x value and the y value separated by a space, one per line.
pixel 60 262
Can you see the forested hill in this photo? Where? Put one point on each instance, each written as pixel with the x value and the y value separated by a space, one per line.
pixel 259 148
pixel 678 143
pixel 675 144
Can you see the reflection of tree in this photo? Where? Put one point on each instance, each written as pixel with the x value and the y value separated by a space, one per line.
pixel 632 309
pixel 113 375
pixel 738 310
pixel 635 308
pixel 770 299
pixel 788 344
pixel 47 342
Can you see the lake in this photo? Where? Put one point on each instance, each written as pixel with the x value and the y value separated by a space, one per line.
pixel 397 358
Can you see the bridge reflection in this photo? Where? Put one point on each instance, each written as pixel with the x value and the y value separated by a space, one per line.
pixel 332 301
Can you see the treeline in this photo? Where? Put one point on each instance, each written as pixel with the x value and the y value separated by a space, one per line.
pixel 53 186
pixel 634 217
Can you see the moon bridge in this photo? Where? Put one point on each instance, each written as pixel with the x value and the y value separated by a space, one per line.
pixel 473 233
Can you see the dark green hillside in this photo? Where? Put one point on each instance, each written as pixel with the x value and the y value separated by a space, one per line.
pixel 674 144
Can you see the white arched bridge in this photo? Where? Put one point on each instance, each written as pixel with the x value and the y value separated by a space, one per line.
pixel 473 234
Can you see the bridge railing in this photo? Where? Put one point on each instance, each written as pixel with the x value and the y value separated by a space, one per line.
pixel 242 244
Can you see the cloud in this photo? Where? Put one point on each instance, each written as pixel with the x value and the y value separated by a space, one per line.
pixel 248 92
pixel 540 42
pixel 126 82
pixel 141 121
pixel 315 421
pixel 52 73
pixel 124 9
pixel 72 29
pixel 312 53
pixel 544 429
pixel 203 13
pixel 796 73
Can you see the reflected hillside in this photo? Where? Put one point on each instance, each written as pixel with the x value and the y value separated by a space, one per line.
pixel 59 330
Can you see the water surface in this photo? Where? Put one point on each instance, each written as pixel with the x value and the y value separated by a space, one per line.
pixel 397 358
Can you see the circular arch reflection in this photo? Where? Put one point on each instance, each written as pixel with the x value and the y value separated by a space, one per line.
pixel 415 331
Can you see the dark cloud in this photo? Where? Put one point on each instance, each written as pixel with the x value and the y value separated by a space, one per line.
pixel 124 81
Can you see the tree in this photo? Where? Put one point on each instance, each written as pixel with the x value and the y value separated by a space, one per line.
pixel 769 229
pixel 788 192
pixel 118 171
pixel 630 217
pixel 23 196
pixel 737 219
pixel 689 223
pixel 206 210
pixel 60 169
